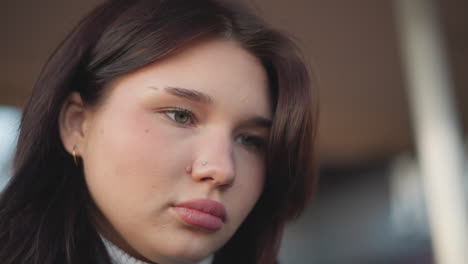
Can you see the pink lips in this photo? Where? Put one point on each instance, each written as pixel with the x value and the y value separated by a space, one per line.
pixel 202 213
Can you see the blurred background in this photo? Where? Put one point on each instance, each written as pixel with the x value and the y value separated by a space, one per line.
pixel 371 205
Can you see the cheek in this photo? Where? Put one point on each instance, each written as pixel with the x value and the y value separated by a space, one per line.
pixel 250 169
pixel 129 160
pixel 250 183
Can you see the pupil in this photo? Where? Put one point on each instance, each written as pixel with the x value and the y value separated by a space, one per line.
pixel 181 117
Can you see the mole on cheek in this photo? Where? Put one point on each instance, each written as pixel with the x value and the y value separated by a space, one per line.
pixel 147 130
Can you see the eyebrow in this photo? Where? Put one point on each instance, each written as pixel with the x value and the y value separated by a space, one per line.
pixel 259 122
pixel 189 94
pixel 200 97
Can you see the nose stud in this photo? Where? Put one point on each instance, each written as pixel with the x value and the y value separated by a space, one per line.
pixel 188 169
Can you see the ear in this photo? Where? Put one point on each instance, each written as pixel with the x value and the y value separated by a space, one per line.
pixel 72 121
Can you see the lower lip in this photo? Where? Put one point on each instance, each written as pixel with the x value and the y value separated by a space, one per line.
pixel 198 218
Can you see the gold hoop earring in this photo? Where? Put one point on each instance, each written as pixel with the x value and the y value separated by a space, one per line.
pixel 75 157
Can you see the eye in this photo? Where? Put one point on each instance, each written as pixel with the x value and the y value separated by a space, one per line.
pixel 252 142
pixel 180 116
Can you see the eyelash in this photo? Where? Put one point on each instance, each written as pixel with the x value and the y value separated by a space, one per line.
pixel 176 110
pixel 258 143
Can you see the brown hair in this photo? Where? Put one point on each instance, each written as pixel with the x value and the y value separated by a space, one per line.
pixel 45 208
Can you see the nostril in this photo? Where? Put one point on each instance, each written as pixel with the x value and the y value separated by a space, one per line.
pixel 206 179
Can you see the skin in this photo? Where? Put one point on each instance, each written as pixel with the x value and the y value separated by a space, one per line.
pixel 141 154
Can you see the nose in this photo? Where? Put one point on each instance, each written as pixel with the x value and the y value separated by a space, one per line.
pixel 214 163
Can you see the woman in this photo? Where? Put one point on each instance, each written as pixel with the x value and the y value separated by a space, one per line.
pixel 166 132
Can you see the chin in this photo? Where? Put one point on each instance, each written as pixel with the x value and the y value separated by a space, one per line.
pixel 193 252
pixel 194 255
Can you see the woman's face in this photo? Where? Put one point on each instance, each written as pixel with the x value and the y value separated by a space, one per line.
pixel 174 155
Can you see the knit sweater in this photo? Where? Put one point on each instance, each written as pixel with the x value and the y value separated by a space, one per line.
pixel 118 256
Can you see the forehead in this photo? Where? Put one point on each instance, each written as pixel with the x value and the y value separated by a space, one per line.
pixel 222 69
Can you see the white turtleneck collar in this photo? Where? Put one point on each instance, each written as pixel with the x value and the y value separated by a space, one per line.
pixel 118 256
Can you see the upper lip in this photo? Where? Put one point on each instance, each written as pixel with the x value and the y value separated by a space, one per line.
pixel 206 206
